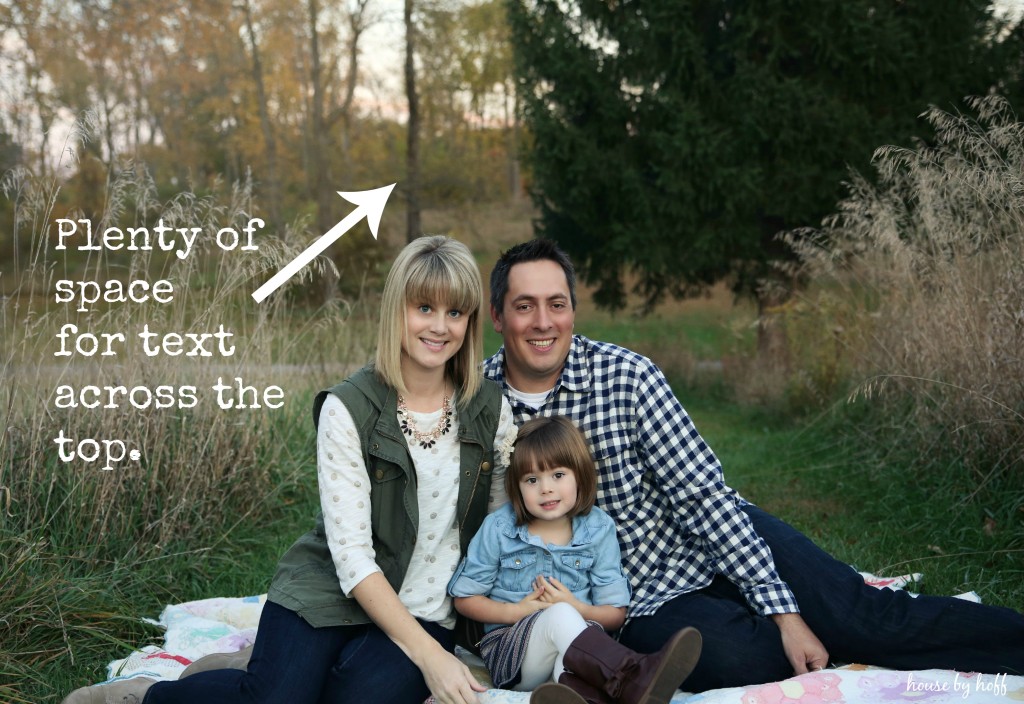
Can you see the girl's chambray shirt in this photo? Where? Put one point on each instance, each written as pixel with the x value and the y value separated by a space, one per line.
pixel 503 559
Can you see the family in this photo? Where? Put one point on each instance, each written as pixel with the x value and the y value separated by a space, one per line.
pixel 561 496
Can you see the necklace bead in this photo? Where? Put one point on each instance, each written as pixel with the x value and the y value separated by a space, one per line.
pixel 428 439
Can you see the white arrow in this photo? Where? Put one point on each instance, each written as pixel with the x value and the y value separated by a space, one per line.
pixel 370 204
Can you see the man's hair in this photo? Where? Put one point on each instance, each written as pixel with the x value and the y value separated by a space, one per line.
pixel 542 445
pixel 440 271
pixel 532 251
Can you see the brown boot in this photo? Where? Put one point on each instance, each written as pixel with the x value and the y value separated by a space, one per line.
pixel 551 693
pixel 627 676
pixel 130 691
pixel 238 660
pixel 569 690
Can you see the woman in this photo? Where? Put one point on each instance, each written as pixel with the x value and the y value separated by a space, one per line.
pixel 358 609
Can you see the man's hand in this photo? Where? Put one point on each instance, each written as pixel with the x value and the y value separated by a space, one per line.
pixel 803 649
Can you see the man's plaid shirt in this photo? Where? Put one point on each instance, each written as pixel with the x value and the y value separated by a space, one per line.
pixel 678 522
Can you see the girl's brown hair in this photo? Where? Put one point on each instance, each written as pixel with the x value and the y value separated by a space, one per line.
pixel 544 444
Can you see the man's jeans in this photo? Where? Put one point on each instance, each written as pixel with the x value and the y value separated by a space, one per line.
pixel 854 621
pixel 294 663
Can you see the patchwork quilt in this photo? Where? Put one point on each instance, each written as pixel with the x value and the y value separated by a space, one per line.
pixel 222 625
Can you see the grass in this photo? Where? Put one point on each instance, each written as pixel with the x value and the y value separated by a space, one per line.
pixel 864 507
pixel 86 554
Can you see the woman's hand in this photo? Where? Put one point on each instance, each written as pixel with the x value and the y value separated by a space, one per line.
pixel 448 678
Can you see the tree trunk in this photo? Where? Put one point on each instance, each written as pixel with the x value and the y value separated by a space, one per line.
pixel 413 228
pixel 273 186
pixel 320 146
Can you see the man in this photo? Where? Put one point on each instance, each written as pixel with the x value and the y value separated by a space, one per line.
pixel 766 600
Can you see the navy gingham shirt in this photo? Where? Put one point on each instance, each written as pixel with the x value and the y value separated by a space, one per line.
pixel 678 523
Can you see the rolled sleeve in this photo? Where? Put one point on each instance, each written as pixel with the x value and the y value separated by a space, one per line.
pixel 609 585
pixel 344 495
pixel 478 570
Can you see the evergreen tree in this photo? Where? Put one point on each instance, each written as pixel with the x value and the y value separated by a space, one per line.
pixel 675 138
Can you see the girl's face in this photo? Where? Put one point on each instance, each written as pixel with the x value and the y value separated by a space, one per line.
pixel 549 494
pixel 433 334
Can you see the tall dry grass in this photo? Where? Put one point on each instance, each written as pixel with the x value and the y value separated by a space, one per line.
pixel 73 534
pixel 917 293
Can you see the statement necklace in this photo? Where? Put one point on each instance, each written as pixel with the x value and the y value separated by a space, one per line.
pixel 429 439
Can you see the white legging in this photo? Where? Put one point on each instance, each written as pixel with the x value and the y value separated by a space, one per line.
pixel 553 631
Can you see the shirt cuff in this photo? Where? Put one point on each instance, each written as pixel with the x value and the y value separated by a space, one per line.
pixel 461 585
pixel 771 599
pixel 614 594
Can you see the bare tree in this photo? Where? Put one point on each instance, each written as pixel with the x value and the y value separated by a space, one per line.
pixel 412 153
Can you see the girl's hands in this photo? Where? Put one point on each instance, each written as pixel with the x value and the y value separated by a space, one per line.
pixel 448 678
pixel 552 591
pixel 532 602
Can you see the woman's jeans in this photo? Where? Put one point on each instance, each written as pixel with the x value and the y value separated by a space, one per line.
pixel 854 621
pixel 294 663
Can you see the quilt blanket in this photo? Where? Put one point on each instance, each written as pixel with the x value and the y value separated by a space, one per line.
pixel 197 628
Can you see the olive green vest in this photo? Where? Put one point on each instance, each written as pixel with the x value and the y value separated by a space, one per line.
pixel 306 581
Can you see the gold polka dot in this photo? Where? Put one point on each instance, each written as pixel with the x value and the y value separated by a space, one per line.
pixel 354 464
pixel 331 412
pixel 430 537
pixel 430 580
pixel 330 456
pixel 352 573
pixel 328 433
pixel 433 515
pixel 358 483
pixel 362 526
pixel 337 499
pixel 436 494
pixel 360 504
pixel 429 599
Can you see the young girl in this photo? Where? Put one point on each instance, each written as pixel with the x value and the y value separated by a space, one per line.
pixel 544 566
pixel 357 611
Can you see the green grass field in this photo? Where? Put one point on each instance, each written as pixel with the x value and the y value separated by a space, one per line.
pixel 74 594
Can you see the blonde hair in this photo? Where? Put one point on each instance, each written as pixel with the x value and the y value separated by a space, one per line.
pixel 439 270
pixel 544 444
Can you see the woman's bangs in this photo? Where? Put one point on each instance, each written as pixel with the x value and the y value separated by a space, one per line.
pixel 434 282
